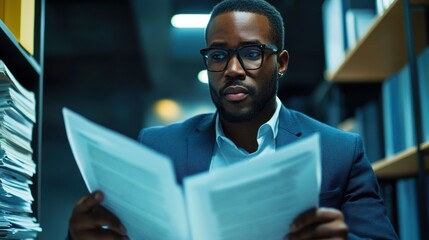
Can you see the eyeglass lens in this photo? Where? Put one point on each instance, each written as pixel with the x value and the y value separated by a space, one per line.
pixel 217 59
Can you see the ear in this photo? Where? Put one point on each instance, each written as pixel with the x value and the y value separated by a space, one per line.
pixel 282 61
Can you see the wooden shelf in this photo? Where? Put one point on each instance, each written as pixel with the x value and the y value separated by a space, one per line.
pixel 21 63
pixel 403 164
pixel 382 51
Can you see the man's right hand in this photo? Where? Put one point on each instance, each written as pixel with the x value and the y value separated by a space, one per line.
pixel 91 221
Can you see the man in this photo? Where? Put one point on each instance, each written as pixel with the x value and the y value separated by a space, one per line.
pixel 245 58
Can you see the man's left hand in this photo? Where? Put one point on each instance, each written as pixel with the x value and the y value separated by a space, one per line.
pixel 319 223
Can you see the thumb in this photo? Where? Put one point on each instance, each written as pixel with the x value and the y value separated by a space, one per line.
pixel 89 202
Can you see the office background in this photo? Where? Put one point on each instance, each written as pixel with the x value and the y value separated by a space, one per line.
pixel 121 63
pixel 112 60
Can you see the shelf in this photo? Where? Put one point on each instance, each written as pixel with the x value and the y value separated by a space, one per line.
pixel 23 65
pixel 403 164
pixel 382 51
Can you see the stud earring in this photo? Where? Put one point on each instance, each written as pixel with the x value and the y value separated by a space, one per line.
pixel 281 74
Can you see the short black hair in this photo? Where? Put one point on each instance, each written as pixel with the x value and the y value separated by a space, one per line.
pixel 261 7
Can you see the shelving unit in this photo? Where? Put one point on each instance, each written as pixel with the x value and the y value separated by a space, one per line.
pixel 382 51
pixel 394 40
pixel 28 70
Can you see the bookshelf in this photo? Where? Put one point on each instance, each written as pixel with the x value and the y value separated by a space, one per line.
pixel 28 70
pixel 382 50
pixel 388 51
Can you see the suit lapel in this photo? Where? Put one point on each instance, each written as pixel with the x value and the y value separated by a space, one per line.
pixel 289 130
pixel 200 146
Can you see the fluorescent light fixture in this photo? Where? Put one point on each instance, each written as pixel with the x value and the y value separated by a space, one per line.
pixel 190 20
pixel 202 76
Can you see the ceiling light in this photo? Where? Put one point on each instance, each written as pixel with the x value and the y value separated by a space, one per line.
pixel 190 20
pixel 202 76
pixel 167 109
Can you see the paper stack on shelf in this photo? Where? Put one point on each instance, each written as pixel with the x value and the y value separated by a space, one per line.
pixel 334 40
pixel 358 21
pixel 17 118
pixel 344 23
pixel 382 5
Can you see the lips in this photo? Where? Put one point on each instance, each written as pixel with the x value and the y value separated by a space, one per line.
pixel 235 93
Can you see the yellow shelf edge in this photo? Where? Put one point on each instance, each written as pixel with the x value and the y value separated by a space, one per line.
pixel 401 164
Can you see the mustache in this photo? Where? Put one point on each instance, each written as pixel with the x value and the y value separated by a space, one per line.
pixel 250 89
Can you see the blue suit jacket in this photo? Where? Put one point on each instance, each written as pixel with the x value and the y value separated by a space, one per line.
pixel 348 181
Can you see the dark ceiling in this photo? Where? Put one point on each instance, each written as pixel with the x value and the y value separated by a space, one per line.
pixel 100 49
pixel 304 42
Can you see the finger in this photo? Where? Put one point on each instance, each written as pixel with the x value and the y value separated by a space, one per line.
pixel 89 202
pixel 314 216
pixel 103 218
pixel 302 219
pixel 336 229
pixel 104 234
pixel 99 218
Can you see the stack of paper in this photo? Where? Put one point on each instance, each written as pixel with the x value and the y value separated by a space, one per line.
pixel 382 5
pixel 17 118
pixel 358 21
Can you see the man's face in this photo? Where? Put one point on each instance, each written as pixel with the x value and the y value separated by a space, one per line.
pixel 242 95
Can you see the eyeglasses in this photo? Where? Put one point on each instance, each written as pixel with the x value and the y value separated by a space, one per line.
pixel 251 57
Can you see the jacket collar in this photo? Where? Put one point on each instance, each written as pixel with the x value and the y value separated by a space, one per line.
pixel 200 146
pixel 201 141
pixel 289 128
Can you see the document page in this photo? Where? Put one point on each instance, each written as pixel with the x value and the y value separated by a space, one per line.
pixel 256 199
pixel 139 184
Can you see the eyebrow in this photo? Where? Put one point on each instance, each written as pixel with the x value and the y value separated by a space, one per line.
pixel 224 45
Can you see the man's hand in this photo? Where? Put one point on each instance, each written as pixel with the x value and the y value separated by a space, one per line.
pixel 320 223
pixel 91 221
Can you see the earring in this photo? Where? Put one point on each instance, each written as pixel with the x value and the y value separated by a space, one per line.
pixel 281 74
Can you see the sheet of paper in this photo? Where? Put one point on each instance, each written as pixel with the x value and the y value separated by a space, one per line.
pixel 256 199
pixel 139 184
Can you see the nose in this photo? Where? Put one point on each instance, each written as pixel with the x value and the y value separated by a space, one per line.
pixel 234 69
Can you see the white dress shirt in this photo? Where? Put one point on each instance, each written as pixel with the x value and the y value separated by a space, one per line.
pixel 226 152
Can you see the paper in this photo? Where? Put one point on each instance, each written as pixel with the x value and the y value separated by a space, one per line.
pixel 17 118
pixel 139 184
pixel 256 199
pixel 7 77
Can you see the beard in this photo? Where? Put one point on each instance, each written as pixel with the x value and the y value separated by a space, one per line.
pixel 267 92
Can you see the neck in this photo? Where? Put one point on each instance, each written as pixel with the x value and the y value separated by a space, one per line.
pixel 244 134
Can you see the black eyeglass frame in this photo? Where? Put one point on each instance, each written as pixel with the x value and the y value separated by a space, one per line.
pixel 232 51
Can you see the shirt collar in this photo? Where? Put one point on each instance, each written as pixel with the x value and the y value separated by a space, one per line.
pixel 272 124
